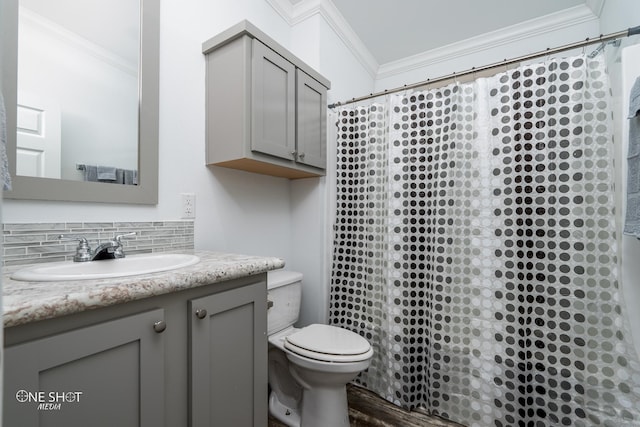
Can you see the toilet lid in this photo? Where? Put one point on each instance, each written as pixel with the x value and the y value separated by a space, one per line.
pixel 328 343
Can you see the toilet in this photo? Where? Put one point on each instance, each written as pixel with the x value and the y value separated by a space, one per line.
pixel 310 367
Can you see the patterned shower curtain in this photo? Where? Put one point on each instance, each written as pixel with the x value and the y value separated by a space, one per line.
pixel 475 248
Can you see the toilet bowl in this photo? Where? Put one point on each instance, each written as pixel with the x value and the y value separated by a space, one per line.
pixel 309 367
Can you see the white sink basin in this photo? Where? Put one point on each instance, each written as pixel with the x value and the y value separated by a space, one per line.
pixel 104 269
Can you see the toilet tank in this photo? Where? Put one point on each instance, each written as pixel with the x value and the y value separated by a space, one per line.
pixel 284 289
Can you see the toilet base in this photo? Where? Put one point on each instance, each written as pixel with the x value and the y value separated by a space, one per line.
pixel 321 407
pixel 287 416
pixel 325 406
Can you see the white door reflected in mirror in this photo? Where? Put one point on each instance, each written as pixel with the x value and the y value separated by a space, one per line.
pixel 38 138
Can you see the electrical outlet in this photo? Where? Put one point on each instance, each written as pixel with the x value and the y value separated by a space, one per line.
pixel 188 205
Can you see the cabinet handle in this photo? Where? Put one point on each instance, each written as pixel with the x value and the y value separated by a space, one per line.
pixel 269 304
pixel 160 326
pixel 201 313
pixel 293 153
pixel 301 155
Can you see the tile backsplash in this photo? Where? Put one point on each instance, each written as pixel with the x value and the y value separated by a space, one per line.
pixel 27 243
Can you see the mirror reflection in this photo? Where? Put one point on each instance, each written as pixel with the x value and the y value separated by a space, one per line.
pixel 78 92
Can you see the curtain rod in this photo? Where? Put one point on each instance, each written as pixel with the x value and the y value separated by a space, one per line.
pixel 549 51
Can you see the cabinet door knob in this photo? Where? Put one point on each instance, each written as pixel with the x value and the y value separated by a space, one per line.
pixel 201 313
pixel 293 153
pixel 269 304
pixel 301 155
pixel 160 326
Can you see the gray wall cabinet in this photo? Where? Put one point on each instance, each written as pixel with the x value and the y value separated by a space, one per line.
pixel 156 362
pixel 266 109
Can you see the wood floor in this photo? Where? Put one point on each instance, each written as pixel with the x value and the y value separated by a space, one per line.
pixel 368 410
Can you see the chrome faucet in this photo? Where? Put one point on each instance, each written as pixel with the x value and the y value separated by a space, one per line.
pixel 111 249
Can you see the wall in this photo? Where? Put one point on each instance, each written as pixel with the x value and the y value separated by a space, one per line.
pixel 617 15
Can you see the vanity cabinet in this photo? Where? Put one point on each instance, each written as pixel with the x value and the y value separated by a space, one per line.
pixel 195 357
pixel 266 109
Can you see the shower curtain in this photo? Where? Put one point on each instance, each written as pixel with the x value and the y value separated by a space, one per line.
pixel 475 249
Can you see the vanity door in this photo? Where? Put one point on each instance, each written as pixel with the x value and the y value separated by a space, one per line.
pixel 228 366
pixel 104 375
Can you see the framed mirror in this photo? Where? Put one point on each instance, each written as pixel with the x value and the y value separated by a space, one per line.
pixel 81 97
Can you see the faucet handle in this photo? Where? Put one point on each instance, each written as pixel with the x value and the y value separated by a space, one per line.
pixel 83 251
pixel 65 238
pixel 119 237
pixel 119 252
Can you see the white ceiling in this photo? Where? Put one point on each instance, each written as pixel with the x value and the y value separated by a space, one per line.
pixel 396 29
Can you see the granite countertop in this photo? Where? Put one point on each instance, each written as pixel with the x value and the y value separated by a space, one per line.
pixel 25 302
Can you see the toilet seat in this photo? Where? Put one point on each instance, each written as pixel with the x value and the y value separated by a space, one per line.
pixel 328 344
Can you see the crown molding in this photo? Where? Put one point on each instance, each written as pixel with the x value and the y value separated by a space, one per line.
pixel 294 14
pixel 596 6
pixel 304 9
pixel 515 33
pixel 284 9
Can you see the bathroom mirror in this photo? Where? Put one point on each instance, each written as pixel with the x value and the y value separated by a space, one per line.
pixel 114 127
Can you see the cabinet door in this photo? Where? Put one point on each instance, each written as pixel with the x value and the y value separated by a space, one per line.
pixel 109 374
pixel 311 121
pixel 228 371
pixel 273 103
